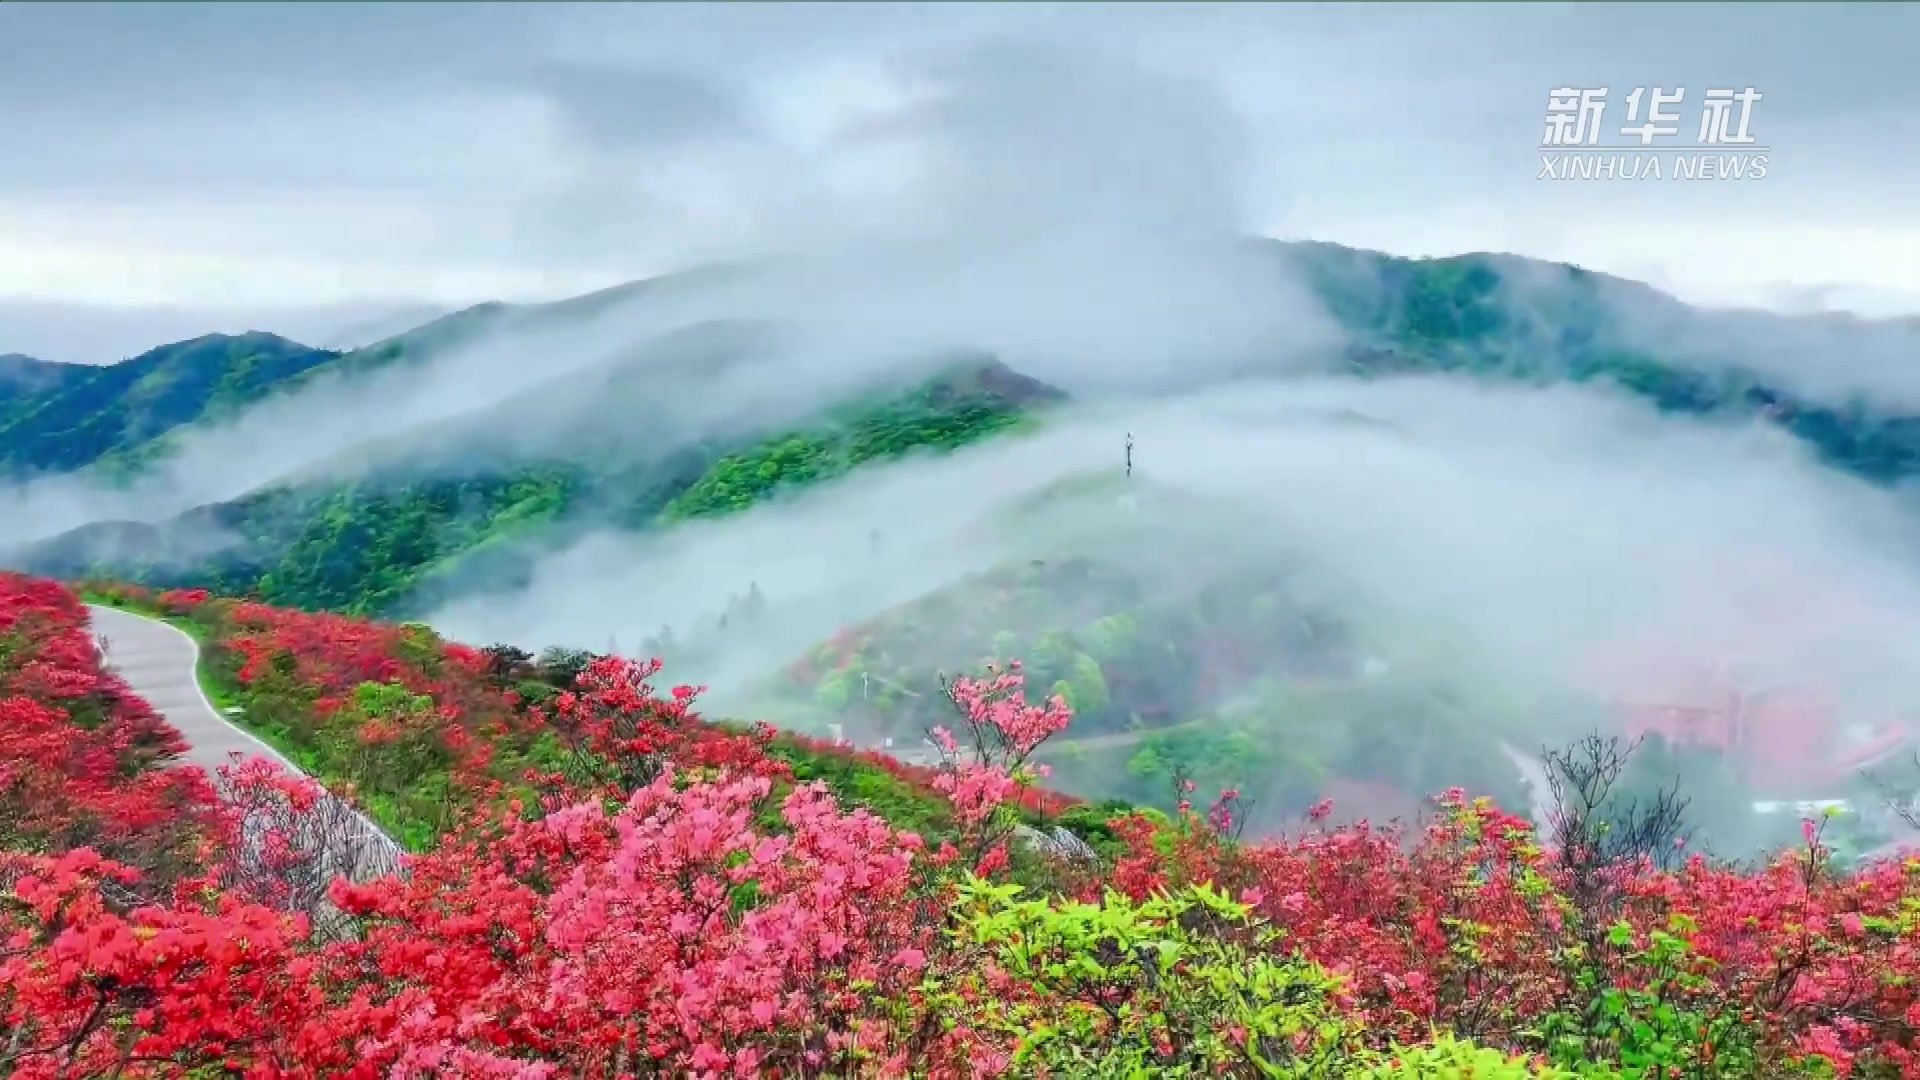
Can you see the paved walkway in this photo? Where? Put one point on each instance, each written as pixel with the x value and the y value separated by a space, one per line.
pixel 1533 771
pixel 161 663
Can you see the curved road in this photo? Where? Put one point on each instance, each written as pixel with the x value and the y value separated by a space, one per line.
pixel 161 663
pixel 1539 788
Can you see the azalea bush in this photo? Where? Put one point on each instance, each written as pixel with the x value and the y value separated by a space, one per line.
pixel 82 760
pixel 615 886
pixel 89 987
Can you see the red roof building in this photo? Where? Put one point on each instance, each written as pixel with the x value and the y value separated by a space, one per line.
pixel 1787 743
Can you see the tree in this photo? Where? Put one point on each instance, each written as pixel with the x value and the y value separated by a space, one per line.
pixel 562 666
pixel 507 664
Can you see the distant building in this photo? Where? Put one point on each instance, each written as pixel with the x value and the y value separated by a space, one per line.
pixel 1788 747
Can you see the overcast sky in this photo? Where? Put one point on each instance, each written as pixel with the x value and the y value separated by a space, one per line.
pixel 314 168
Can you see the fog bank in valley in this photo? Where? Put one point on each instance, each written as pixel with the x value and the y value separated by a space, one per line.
pixel 1540 542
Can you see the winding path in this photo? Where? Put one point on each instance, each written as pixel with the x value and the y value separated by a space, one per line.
pixel 161 663
pixel 1539 788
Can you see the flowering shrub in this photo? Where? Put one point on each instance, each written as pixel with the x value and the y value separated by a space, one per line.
pixel 83 762
pixel 619 888
pixel 180 601
pixel 86 990
pixel 94 819
pixel 672 932
pixel 1002 732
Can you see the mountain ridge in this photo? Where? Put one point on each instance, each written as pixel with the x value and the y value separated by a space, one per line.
pixel 1357 284
pixel 1483 315
pixel 115 409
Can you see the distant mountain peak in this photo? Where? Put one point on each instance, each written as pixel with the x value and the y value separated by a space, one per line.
pixel 23 374
pixel 62 417
pixel 21 362
pixel 249 338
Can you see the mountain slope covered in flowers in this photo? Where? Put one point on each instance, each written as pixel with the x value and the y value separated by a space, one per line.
pixel 663 898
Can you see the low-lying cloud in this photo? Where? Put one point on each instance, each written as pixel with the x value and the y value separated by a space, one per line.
pixel 1560 541
pixel 1071 214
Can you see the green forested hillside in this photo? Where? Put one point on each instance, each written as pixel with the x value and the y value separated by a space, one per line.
pixel 64 417
pixel 78 418
pixel 943 414
pixel 25 381
pixel 1180 650
pixel 22 377
pixel 394 539
pixel 1503 316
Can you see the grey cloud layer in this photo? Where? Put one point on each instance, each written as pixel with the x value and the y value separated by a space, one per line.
pixel 419 151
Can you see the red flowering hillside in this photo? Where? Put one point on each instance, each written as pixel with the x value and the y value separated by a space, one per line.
pixel 84 763
pixel 623 890
pixel 415 728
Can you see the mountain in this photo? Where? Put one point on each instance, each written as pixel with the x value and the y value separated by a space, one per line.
pixel 72 419
pixel 121 418
pixel 380 328
pixel 1837 382
pixel 1483 313
pixel 632 442
pixel 1243 678
pixel 22 375
pixel 25 381
pixel 408 529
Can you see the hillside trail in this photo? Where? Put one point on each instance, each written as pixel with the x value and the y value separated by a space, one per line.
pixel 161 663
pixel 1533 771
